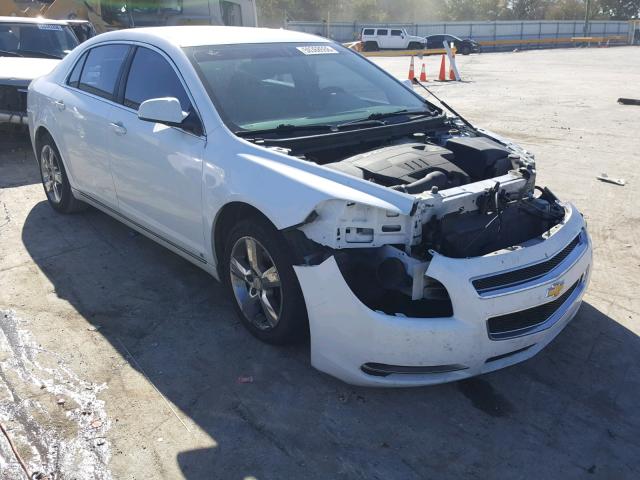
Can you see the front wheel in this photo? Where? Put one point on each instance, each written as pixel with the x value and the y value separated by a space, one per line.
pixel 259 272
pixel 54 179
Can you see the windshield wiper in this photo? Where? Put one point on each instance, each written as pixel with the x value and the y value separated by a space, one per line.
pixel 44 54
pixel 12 54
pixel 376 118
pixel 284 128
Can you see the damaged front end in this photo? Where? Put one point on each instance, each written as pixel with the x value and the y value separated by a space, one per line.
pixel 483 271
pixel 384 254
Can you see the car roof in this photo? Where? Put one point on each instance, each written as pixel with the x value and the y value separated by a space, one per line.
pixel 43 21
pixel 191 36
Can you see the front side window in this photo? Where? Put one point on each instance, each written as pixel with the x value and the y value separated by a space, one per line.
pixel 261 86
pixel 151 76
pixel 102 69
pixel 40 40
pixel 396 33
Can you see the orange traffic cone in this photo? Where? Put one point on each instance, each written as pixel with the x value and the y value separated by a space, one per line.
pixel 411 70
pixel 423 73
pixel 443 70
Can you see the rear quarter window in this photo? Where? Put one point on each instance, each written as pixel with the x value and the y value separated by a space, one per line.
pixel 74 77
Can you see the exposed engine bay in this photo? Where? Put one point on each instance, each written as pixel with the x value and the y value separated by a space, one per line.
pixel 474 195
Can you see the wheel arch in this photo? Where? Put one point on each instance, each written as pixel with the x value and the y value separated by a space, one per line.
pixel 230 214
pixel 41 133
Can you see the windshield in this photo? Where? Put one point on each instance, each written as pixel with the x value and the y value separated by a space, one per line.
pixel 36 40
pixel 264 86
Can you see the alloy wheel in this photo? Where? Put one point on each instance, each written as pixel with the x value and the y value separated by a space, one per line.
pixel 51 174
pixel 256 283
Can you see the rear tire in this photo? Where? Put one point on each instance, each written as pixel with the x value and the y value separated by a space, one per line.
pixel 54 178
pixel 258 272
pixel 371 46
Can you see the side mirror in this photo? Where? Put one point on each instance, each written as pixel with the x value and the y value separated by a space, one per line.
pixel 165 110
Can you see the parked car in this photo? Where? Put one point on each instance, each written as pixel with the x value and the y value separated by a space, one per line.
pixel 332 201
pixel 83 29
pixel 465 47
pixel 29 47
pixel 390 39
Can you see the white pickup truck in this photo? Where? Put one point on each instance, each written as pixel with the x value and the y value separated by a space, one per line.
pixel 390 39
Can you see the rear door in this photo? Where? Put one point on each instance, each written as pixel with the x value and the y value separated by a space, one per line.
pixel 86 103
pixel 382 35
pixel 157 169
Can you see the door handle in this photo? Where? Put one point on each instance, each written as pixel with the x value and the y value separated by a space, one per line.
pixel 60 105
pixel 118 128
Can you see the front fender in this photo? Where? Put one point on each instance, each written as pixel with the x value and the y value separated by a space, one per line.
pixel 285 189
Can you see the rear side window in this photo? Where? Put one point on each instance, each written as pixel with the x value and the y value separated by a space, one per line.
pixel 368 31
pixel 101 70
pixel 382 32
pixel 396 33
pixel 151 76
pixel 74 77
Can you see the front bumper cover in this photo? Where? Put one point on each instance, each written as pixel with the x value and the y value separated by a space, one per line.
pixel 348 339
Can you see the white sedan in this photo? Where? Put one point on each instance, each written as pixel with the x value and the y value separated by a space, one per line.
pixel 333 201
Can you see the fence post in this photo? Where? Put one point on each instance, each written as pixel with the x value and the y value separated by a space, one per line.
pixel 539 35
pixel 521 34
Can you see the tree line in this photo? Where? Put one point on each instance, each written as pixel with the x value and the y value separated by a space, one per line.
pixel 274 12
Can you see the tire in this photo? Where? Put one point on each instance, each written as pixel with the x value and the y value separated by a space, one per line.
pixel 275 314
pixel 54 178
pixel 465 50
pixel 415 46
pixel 371 46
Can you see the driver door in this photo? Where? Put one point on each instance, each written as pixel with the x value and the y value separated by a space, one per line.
pixel 157 169
pixel 396 39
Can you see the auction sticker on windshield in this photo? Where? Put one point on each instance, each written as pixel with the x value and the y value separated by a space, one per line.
pixel 50 27
pixel 317 50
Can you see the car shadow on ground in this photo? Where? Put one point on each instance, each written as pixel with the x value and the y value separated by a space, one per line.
pixel 16 158
pixel 574 405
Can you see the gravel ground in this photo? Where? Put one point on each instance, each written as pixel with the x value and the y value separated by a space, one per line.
pixel 120 360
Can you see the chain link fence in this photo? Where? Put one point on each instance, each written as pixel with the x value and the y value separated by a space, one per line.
pixel 492 35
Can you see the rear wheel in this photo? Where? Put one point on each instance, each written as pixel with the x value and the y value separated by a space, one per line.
pixel 371 46
pixel 259 272
pixel 54 179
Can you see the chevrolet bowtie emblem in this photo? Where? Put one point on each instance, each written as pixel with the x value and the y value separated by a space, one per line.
pixel 555 290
